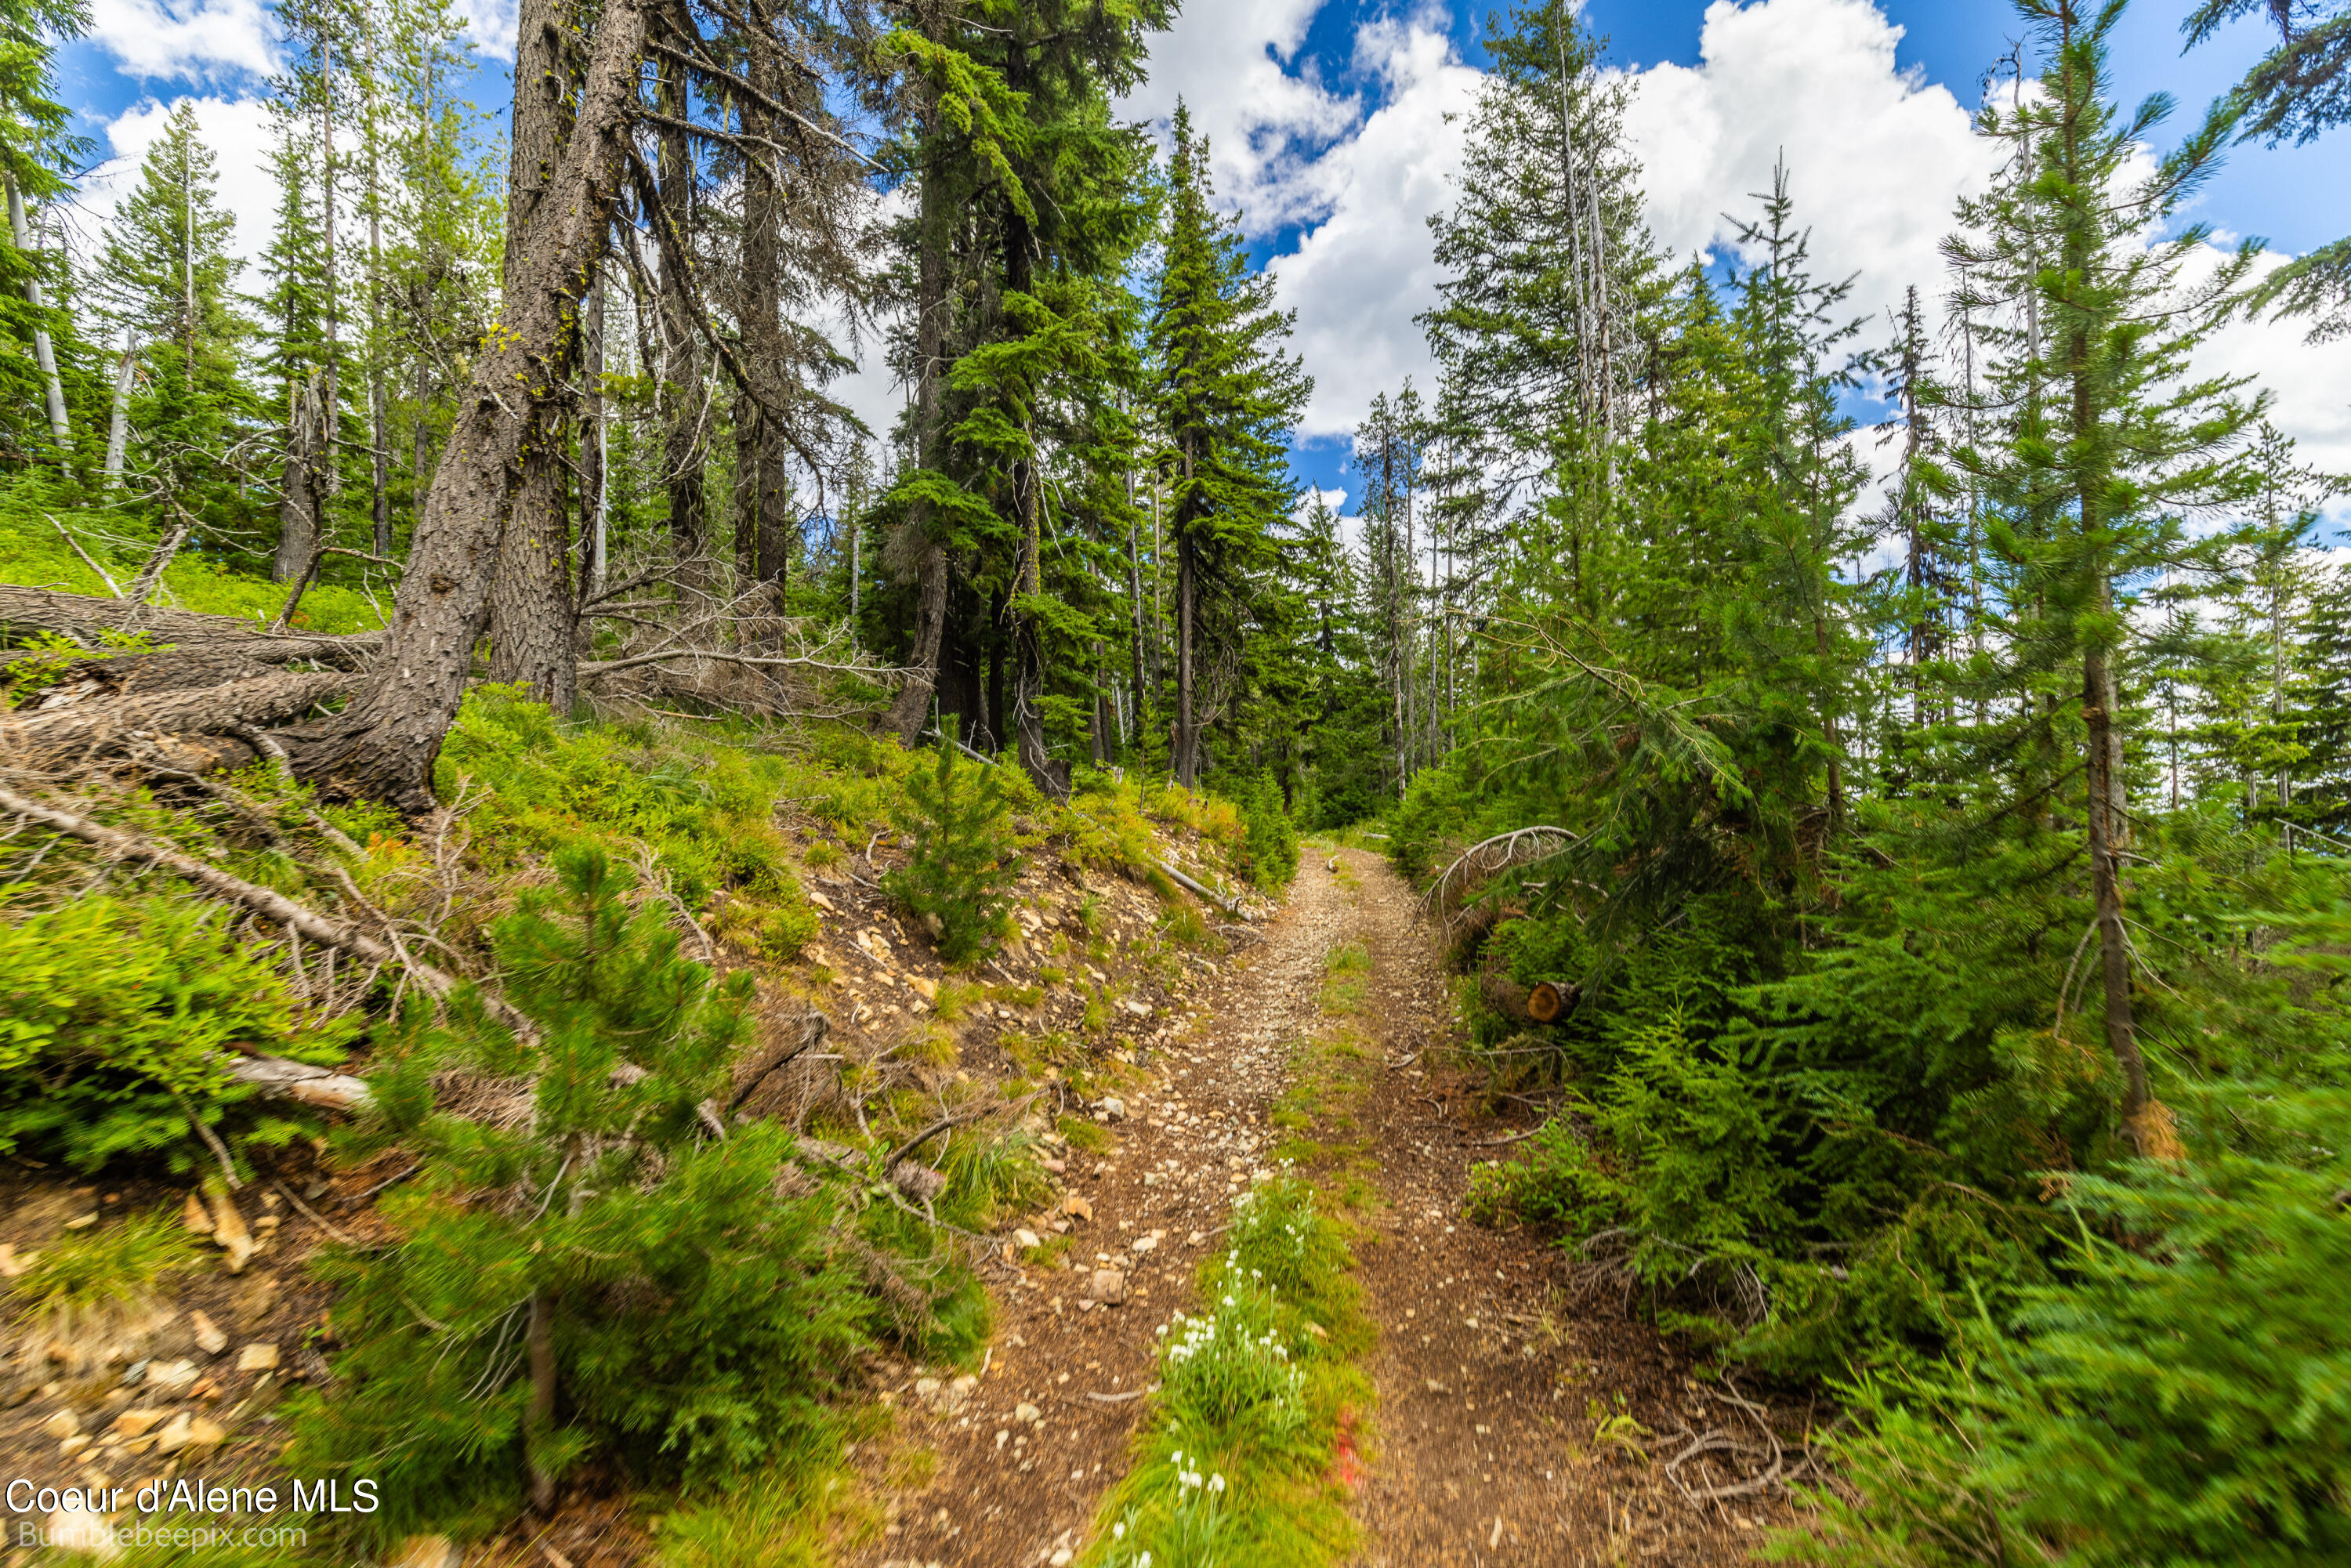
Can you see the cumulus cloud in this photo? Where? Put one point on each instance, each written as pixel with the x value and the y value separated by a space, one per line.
pixel 188 39
pixel 1876 156
pixel 1877 160
pixel 240 133
pixel 2311 381
pixel 491 25
pixel 1268 117
pixel 1359 278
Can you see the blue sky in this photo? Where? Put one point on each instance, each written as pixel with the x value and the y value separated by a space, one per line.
pixel 1330 125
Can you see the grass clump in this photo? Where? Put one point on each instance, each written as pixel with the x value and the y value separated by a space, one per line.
pixel 1244 1455
pixel 1346 978
pixel 86 1284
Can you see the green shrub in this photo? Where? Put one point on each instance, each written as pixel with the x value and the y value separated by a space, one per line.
pixel 2181 1400
pixel 959 833
pixel 694 1316
pixel 119 1018
pixel 1269 852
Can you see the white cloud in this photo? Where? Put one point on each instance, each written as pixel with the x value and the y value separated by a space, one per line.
pixel 169 38
pixel 1359 278
pixel 2312 383
pixel 1875 156
pixel 1877 160
pixel 492 25
pixel 243 138
pixel 1265 125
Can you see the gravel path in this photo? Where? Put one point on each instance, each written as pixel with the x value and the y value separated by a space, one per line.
pixel 1482 1448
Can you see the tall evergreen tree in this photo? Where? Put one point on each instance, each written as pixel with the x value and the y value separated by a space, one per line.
pixel 166 274
pixel 1227 392
pixel 2106 433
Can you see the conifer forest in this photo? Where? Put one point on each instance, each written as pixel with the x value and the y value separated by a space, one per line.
pixel 1737 949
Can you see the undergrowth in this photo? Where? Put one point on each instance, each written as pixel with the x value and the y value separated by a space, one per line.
pixel 1249 1450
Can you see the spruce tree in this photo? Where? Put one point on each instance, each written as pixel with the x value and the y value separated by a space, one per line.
pixel 164 274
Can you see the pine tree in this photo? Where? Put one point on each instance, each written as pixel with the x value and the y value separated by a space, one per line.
pixel 1227 394
pixel 2106 434
pixel 37 150
pixel 603 1277
pixel 165 276
pixel 956 822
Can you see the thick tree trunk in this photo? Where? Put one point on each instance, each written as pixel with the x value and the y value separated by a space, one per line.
pixel 763 534
pixel 532 635
pixel 301 496
pixel 385 744
pixel 80 729
pixel 2106 874
pixel 914 699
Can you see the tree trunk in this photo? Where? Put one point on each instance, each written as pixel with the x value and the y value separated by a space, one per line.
pixel 301 496
pixel 43 352
pixel 151 575
pixel 118 420
pixel 1134 605
pixel 684 391
pixel 82 616
pixel 384 745
pixel 595 502
pixel 81 729
pixel 533 638
pixel 1028 710
pixel 538 1416
pixel 2105 873
pixel 914 699
pixel 379 460
pixel 532 635
pixel 762 460
pixel 1187 733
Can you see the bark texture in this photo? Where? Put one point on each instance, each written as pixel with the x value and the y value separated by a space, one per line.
pixel 531 604
pixel 385 744
pixel 78 729
pixel 914 699
pixel 81 616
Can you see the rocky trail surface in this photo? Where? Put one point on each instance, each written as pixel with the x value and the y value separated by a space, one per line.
pixel 1512 1428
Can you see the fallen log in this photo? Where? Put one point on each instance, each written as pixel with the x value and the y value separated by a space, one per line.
pixel 320 1086
pixel 82 616
pixel 80 727
pixel 1542 1003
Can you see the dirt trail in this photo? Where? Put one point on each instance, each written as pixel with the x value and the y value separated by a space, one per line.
pixel 1482 1448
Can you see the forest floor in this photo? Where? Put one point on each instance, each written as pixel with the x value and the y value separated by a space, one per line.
pixel 1490 1442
